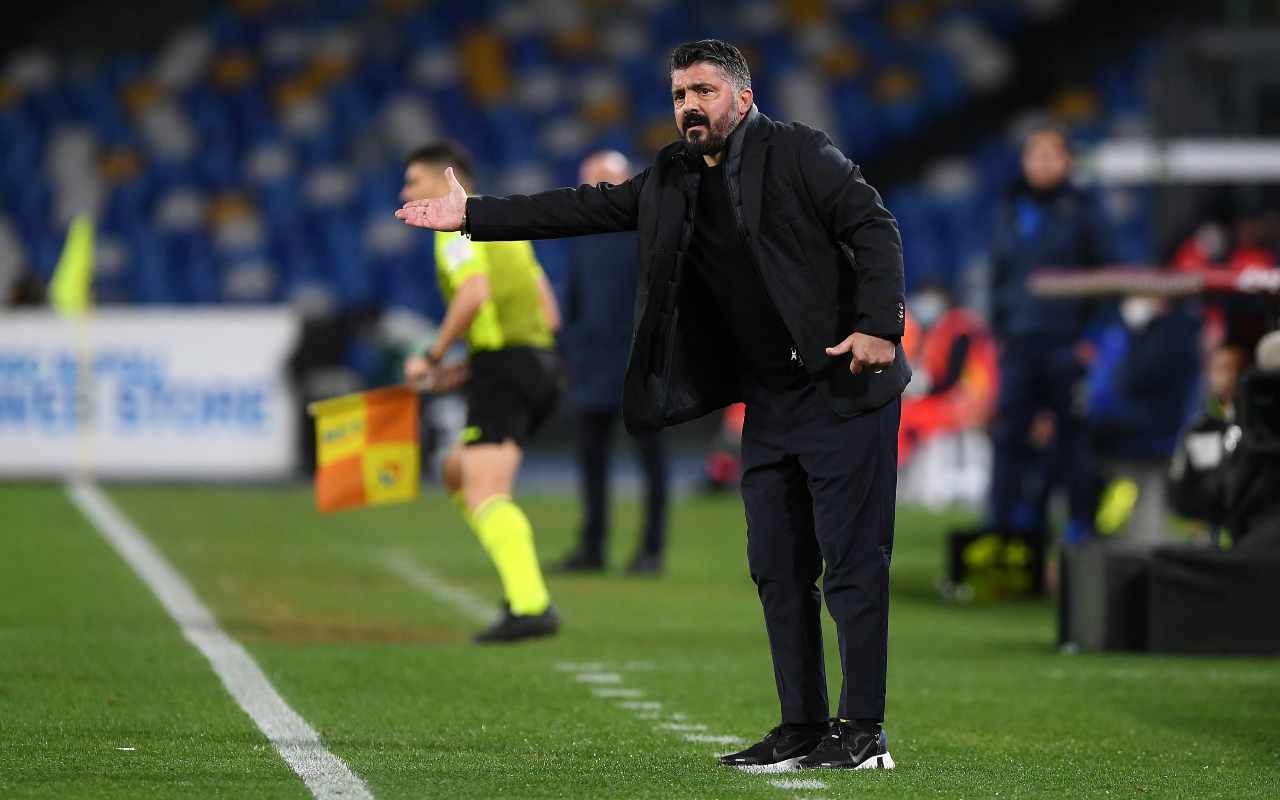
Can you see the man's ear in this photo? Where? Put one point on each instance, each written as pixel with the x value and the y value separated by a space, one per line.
pixel 745 98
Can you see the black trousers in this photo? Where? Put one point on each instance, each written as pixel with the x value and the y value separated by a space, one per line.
pixel 595 435
pixel 1040 374
pixel 821 489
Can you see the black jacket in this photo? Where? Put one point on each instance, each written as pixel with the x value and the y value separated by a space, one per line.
pixel 827 249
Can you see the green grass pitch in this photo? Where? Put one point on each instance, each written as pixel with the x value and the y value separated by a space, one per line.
pixel 980 703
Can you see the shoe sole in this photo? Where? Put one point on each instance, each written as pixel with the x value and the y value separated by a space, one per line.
pixel 878 762
pixel 517 639
pixel 882 761
pixel 786 765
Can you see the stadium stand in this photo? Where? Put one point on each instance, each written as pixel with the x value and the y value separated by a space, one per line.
pixel 211 162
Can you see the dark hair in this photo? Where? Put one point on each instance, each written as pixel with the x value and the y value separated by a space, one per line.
pixel 1047 125
pixel 723 55
pixel 447 152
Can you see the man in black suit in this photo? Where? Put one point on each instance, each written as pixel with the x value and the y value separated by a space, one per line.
pixel 594 340
pixel 771 273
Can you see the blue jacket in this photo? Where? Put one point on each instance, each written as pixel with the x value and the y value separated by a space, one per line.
pixel 599 298
pixel 1063 228
pixel 1142 386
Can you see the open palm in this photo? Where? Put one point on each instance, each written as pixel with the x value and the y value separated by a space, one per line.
pixel 439 213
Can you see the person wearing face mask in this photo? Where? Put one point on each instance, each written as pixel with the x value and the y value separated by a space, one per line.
pixel 1141 391
pixel 1044 222
pixel 955 355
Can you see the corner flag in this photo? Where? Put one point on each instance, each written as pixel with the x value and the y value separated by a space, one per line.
pixel 367 448
pixel 73 277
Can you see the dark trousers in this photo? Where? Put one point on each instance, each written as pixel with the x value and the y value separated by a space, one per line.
pixel 820 489
pixel 595 434
pixel 1038 374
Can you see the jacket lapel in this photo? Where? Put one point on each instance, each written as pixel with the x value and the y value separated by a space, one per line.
pixel 753 161
pixel 748 152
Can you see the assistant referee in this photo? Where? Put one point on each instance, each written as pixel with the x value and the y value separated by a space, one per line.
pixel 770 272
pixel 500 301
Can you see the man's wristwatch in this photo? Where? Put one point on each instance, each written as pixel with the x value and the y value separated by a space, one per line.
pixel 432 359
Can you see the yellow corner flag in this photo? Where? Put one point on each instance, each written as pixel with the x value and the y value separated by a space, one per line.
pixel 366 448
pixel 69 290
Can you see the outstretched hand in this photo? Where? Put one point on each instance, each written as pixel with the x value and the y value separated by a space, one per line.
pixel 866 351
pixel 439 213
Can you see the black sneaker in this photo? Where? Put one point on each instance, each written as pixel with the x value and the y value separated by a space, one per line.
pixel 514 627
pixel 847 746
pixel 580 561
pixel 645 564
pixel 779 750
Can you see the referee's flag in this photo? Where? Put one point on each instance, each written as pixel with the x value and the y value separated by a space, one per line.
pixel 367 448
pixel 69 290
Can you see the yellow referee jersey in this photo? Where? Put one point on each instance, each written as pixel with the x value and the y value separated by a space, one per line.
pixel 513 315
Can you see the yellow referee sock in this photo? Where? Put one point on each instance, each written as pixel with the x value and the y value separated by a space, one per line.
pixel 505 532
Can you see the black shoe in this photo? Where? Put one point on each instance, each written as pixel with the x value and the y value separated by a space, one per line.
pixel 847 746
pixel 645 564
pixel 779 750
pixel 580 561
pixel 514 627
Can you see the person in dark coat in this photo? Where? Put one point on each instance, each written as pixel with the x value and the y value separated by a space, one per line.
pixel 1197 474
pixel 1044 352
pixel 594 340
pixel 1143 380
pixel 770 272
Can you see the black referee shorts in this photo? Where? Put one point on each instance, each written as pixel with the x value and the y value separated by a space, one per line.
pixel 510 394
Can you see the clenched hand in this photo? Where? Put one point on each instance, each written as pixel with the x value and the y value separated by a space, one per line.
pixel 439 213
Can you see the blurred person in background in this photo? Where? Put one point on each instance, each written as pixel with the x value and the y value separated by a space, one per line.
pixel 1252 483
pixel 1140 393
pixel 953 387
pixel 1196 476
pixel 943 450
pixel 1044 352
pixel 738 304
pixel 500 302
pixel 595 342
pixel 722 468
pixel 22 290
pixel 1250 243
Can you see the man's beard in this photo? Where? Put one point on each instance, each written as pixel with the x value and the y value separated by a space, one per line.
pixel 717 133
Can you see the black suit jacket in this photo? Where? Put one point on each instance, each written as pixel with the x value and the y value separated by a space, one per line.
pixel 827 249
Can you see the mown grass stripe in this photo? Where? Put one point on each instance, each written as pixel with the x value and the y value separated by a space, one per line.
pixel 326 775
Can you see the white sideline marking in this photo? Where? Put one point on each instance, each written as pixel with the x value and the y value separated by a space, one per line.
pixel 682 726
pixel 598 677
pixel 797 783
pixel 297 742
pixel 611 692
pixel 419 577
pixel 640 705
pixel 575 666
pixel 702 737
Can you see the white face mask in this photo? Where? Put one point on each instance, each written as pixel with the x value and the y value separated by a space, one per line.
pixel 928 308
pixel 1137 312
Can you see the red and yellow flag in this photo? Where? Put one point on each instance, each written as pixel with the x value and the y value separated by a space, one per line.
pixel 366 448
